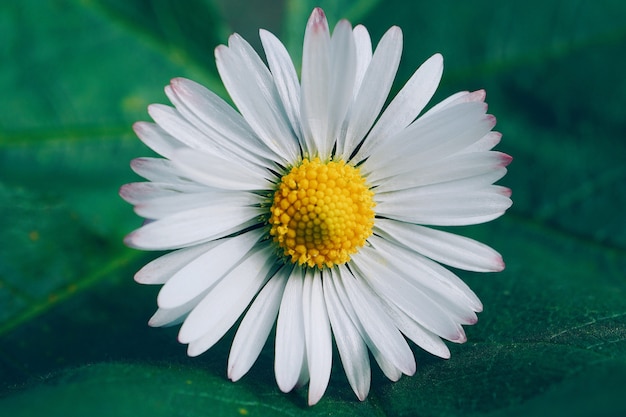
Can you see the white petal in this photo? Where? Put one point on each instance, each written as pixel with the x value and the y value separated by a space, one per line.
pixel 454 99
pixel 141 192
pixel 413 330
pixel 316 81
pixel 486 143
pixel 342 76
pixel 456 167
pixel 426 279
pixel 405 107
pixel 363 44
pixel 226 128
pixel 256 326
pixel 395 289
pixel 158 170
pixel 350 344
pixel 428 341
pixel 304 376
pixel 290 344
pixel 215 171
pixel 157 139
pixel 251 86
pixel 170 120
pixel 403 185
pixel 448 248
pixel 317 334
pixel 169 317
pixel 163 268
pixel 374 89
pixel 455 208
pixel 388 368
pixel 285 78
pixel 223 305
pixel 195 226
pixel 165 317
pixel 379 330
pixel 206 270
pixel 438 136
pixel 159 208
pixel 478 183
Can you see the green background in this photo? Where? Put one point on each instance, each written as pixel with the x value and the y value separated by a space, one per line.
pixel 75 75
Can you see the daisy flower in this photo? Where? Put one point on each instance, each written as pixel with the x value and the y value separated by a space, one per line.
pixel 308 209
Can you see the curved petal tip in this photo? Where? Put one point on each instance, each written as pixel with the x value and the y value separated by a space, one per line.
pixel 317 22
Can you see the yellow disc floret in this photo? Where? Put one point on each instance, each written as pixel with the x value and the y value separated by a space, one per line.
pixel 322 213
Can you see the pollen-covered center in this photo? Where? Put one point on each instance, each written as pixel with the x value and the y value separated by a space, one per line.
pixel 322 213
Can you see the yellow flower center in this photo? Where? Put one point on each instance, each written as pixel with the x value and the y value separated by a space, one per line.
pixel 322 213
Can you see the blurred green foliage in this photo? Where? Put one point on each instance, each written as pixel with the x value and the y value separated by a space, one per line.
pixel 75 75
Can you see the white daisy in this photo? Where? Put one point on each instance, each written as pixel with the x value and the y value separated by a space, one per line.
pixel 307 208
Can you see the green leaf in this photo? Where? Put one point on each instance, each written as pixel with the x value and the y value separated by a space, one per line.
pixel 73 336
pixel 127 389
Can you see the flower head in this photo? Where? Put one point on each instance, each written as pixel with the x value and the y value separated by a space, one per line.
pixel 308 208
